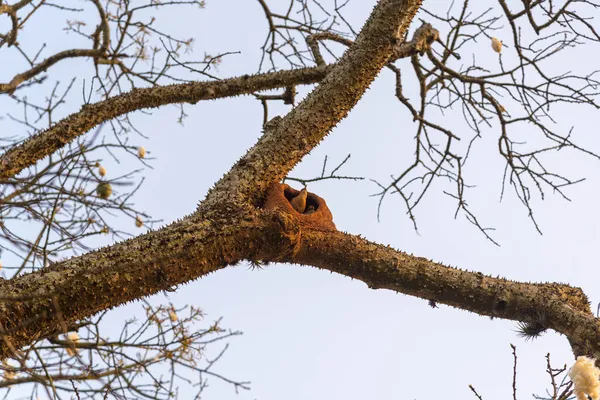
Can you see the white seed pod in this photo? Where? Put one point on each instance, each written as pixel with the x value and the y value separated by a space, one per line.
pixel 141 152
pixel 138 221
pixel 73 336
pixel 104 190
pixel 497 45
pixel 102 171
pixel 584 375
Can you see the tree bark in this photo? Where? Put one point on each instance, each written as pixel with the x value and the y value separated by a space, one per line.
pixel 54 138
pixel 229 225
pixel 226 228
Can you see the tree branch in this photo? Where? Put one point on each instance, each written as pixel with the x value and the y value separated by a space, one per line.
pixel 18 79
pixel 50 140
pixel 44 302
pixel 563 308
pixel 226 228
pixel 295 135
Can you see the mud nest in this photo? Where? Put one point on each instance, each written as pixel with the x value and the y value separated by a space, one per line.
pixel 316 214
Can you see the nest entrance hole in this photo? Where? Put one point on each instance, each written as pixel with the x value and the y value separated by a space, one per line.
pixel 312 203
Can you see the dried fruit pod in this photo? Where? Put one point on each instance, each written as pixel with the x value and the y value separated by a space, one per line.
pixel 497 45
pixel 104 190
pixel 141 152
pixel 102 171
pixel 138 221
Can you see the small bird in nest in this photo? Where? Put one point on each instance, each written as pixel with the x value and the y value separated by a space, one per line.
pixel 299 202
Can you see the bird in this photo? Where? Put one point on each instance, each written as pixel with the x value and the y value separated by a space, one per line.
pixel 299 202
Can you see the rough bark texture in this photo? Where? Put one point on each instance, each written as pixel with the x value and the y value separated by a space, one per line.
pixel 50 140
pixel 564 308
pixel 230 225
pixel 227 227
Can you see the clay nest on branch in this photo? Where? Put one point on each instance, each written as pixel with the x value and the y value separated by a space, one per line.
pixel 310 210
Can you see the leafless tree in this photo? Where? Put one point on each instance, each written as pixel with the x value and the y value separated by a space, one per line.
pixel 54 183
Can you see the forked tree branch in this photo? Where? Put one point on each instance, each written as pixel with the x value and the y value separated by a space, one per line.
pixel 227 226
pixel 65 131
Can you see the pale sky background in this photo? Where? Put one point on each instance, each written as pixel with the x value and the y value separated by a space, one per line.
pixel 310 334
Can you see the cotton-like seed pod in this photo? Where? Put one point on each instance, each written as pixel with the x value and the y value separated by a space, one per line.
pixel 584 375
pixel 73 337
pixel 141 152
pixel 496 45
pixel 138 222
pixel 102 171
pixel 104 190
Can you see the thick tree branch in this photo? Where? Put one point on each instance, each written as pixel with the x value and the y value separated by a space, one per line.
pixel 296 134
pixel 42 303
pixel 563 308
pixel 50 140
pixel 226 228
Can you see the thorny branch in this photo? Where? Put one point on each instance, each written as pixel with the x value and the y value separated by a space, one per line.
pixel 60 197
